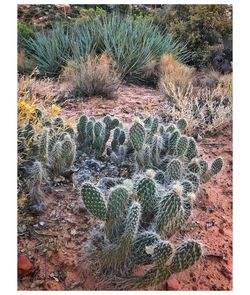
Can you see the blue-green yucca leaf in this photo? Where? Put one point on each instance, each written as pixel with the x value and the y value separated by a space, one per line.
pixel 49 50
pixel 83 39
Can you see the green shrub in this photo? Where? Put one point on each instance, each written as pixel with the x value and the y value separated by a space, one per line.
pixel 24 32
pixel 204 27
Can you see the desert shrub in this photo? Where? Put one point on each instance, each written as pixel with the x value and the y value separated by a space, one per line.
pixel 29 100
pixel 87 14
pixel 207 79
pixel 220 58
pixel 93 76
pixel 24 32
pixel 136 44
pixel 173 72
pixel 204 27
pixel 49 50
pixel 207 110
pixel 45 15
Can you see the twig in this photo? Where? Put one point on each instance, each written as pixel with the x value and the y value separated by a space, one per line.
pixel 213 143
pixel 43 234
pixel 219 256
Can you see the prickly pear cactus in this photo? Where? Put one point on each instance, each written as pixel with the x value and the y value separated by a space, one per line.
pixel 137 135
pixel 146 194
pixel 186 255
pixel 182 124
pixel 162 251
pixel 216 166
pixel 170 216
pixel 94 201
pixel 138 218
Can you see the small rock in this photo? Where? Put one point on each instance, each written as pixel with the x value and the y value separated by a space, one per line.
pixel 73 232
pixel 173 284
pixel 37 209
pixel 36 283
pixel 199 138
pixel 25 267
pixel 221 231
pixel 41 223
pixel 59 179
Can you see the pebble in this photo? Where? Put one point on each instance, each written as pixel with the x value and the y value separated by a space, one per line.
pixel 25 267
pixel 38 209
pixel 173 284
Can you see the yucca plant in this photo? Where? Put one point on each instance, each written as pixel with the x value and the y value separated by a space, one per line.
pixel 136 44
pixel 83 39
pixel 49 50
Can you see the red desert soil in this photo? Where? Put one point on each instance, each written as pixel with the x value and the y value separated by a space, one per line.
pixel 53 240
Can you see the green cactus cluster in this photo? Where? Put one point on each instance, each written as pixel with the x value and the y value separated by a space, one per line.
pixel 139 222
pixel 50 152
pixel 173 155
pixel 57 147
pixel 93 135
pixel 141 219
pixel 27 144
pixel 34 182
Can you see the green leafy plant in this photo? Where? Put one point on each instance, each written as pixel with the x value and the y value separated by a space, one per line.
pixel 24 32
pixel 205 28
pixel 83 39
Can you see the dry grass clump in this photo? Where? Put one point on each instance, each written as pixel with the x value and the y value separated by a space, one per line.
pixel 207 110
pixel 96 75
pixel 24 65
pixel 172 72
pixel 204 98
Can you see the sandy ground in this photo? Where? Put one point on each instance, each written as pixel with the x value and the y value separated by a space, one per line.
pixel 53 240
